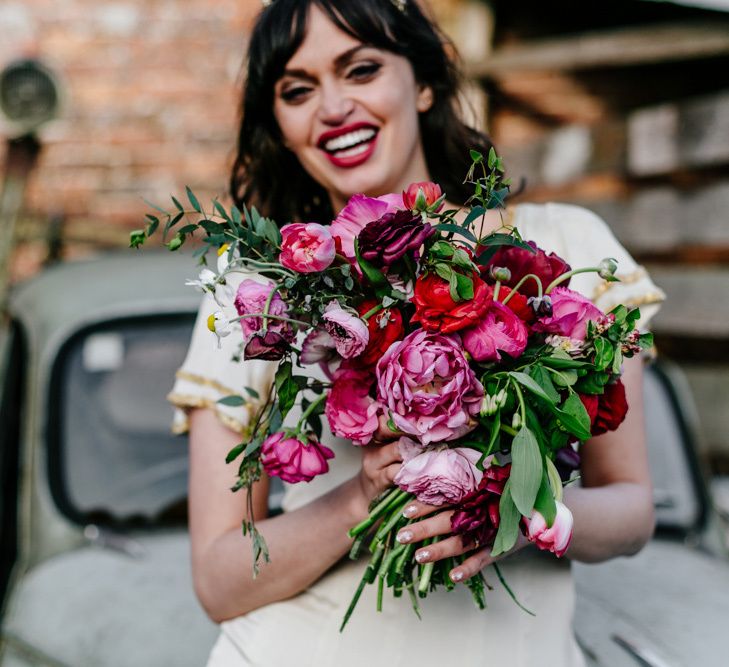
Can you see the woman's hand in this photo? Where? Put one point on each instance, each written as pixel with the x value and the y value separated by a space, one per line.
pixel 451 546
pixel 381 460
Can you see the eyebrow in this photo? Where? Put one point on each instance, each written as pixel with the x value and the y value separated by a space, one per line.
pixel 341 61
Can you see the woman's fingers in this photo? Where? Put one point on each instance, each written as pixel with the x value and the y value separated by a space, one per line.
pixel 472 565
pixel 440 524
pixel 384 433
pixel 451 546
pixel 416 509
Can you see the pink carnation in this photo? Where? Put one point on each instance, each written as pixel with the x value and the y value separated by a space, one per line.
pixel 306 247
pixel 292 460
pixel 441 476
pixel 429 388
pixel 570 313
pixel 500 330
pixel 351 411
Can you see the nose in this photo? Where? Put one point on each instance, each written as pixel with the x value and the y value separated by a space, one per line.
pixel 334 104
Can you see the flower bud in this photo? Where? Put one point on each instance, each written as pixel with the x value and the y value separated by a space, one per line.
pixel 488 406
pixel 516 421
pixel 541 305
pixel 500 273
pixel 607 268
pixel 556 538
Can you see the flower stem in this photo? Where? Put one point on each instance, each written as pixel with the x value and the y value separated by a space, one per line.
pixel 522 405
pixel 279 318
pixel 568 275
pixel 376 512
pixel 372 311
pixel 313 406
pixel 520 283
pixel 427 573
pixel 497 288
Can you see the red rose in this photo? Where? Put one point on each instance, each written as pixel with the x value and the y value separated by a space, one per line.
pixel 436 311
pixel 385 328
pixel 519 305
pixel 607 411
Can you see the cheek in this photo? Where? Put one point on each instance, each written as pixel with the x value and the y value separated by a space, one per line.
pixel 293 125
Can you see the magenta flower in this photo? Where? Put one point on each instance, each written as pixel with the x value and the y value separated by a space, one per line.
pixel 440 476
pixel 292 460
pixel 555 539
pixel 250 299
pixel 570 313
pixel 387 240
pixel 349 332
pixel 359 211
pixel 430 390
pixel 306 247
pixel 351 411
pixel 500 330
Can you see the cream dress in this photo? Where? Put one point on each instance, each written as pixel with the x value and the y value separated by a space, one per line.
pixel 304 630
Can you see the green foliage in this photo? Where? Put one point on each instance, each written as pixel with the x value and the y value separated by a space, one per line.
pixel 526 470
pixel 509 518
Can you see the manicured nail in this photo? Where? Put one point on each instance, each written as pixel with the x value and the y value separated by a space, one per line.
pixel 409 511
pixel 422 556
pixel 404 536
pixel 456 576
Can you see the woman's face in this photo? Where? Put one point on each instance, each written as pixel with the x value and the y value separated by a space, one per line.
pixel 349 112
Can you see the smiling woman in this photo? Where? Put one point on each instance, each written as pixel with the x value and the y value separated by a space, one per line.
pixel 364 99
pixel 344 98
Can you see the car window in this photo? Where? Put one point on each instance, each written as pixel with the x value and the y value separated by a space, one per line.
pixel 112 456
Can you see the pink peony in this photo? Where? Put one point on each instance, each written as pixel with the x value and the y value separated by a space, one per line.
pixel 292 460
pixel 351 411
pixel 440 476
pixel 500 330
pixel 250 299
pixel 359 211
pixel 349 332
pixel 429 388
pixel 555 539
pixel 306 247
pixel 570 314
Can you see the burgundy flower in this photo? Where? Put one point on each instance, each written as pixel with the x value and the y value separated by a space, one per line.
pixel 269 345
pixel 522 262
pixel 388 239
pixel 606 410
pixel 477 517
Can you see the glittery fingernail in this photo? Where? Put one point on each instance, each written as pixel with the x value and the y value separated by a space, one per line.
pixel 409 511
pixel 404 536
pixel 422 556
pixel 456 576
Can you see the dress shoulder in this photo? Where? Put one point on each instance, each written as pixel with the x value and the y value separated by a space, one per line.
pixel 211 372
pixel 583 239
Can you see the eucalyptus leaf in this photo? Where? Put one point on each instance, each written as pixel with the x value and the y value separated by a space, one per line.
pixel 476 212
pixel 193 199
pixel 456 229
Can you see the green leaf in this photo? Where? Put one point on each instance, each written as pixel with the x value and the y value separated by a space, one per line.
pixel 441 250
pixel 464 286
pixel 137 238
pixel 555 481
pixel 444 270
pixel 221 211
pixel 235 452
pixel 456 229
pixel 212 227
pixel 544 504
pixel 475 156
pixel 187 229
pixel 233 401
pixel 154 206
pixel 177 204
pixel 476 212
pixel 541 376
pixel 252 393
pixel 286 387
pixel 574 417
pixel 604 353
pixel 509 518
pixel 565 377
pixel 373 274
pixel 193 199
pixel 493 158
pixel 533 386
pixel 526 470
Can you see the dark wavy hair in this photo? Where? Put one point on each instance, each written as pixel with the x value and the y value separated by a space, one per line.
pixel 269 176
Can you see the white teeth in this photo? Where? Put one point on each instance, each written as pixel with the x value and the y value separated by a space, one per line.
pixel 350 139
pixel 356 150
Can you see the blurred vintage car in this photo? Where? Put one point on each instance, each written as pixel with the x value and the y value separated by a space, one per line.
pixel 94 553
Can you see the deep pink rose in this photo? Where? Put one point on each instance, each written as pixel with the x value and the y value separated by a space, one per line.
pixel 570 314
pixel 359 211
pixel 250 299
pixel 500 330
pixel 306 247
pixel 351 411
pixel 292 460
pixel 349 332
pixel 555 539
pixel 430 390
pixel 440 476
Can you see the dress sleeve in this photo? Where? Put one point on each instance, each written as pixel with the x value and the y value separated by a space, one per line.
pixel 210 373
pixel 591 240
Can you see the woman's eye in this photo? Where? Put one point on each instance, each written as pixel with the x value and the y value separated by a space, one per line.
pixel 294 94
pixel 364 71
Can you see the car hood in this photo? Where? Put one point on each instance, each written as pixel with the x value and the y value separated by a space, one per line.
pixel 102 607
pixel 670 601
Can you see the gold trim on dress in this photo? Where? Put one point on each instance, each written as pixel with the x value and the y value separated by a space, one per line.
pixel 203 381
pixel 645 299
pixel 626 279
pixel 186 401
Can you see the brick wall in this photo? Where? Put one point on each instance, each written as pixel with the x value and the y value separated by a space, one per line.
pixel 150 103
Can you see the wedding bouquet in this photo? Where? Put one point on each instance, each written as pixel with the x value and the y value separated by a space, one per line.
pixel 483 361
